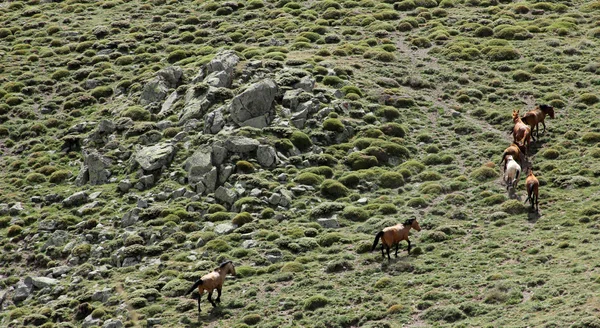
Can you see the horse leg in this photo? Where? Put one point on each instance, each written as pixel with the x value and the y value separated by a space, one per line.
pixel 210 299
pixel 408 246
pixel 397 244
pixel 388 252
pixel 199 298
pixel 382 253
pixel 544 125
pixel 218 300
pixel 537 207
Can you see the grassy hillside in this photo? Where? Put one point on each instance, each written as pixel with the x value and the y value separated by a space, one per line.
pixel 372 112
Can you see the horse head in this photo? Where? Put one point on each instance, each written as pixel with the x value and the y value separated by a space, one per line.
pixel 515 115
pixel 548 110
pixel 228 267
pixel 413 224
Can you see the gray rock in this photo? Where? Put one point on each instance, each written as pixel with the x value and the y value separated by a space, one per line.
pixel 266 155
pixel 214 122
pixel 210 180
pixel 167 105
pixel 178 193
pixel 58 238
pixel 162 125
pixel 362 201
pixel 274 199
pixel 196 104
pixel 81 211
pixel 154 321
pixel 282 177
pixel 16 208
pixel 255 192
pixel 225 61
pixel 3 209
pixel 286 197
pixel 130 261
pixel 290 99
pixel 199 164
pixel 307 84
pixel 125 185
pixel 226 172
pixel 90 322
pixel 112 323
pixel 224 228
pixel 154 91
pixel 254 106
pixel 329 222
pixel 41 282
pixel 171 75
pixel 146 181
pixel 249 244
pixel 47 225
pixel 130 218
pixel 219 154
pixel 219 79
pixel 274 258
pixel 226 195
pixel 77 198
pixel 102 295
pixel 142 203
pixel 61 270
pixel 240 144
pixel 154 157
pixel 22 292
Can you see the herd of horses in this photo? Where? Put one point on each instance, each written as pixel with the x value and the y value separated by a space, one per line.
pixel 514 157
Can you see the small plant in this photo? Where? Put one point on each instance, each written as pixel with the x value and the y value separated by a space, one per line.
pixel 242 218
pixel 300 140
pixel 244 167
pixel 14 230
pixel 315 302
pixel 102 92
pixel 333 124
pixel 136 113
pixel 251 319
pixel 356 214
pixel 308 178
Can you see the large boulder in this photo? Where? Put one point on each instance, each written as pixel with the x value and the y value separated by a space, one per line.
pixel 154 157
pixel 240 144
pixel 199 163
pixel 41 282
pixel 226 195
pixel 154 91
pixel 266 155
pixel 167 106
pixel 58 238
pixel 225 61
pixel 95 168
pixel 196 102
pixel 172 75
pixel 254 106
pixel 214 122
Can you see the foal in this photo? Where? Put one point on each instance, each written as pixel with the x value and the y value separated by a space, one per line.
pixel 212 281
pixel 393 235
pixel 536 116
pixel 512 173
pixel 521 131
pixel 533 186
pixel 515 151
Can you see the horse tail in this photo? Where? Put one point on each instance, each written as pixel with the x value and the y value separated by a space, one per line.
pixel 529 192
pixel 379 234
pixel 196 284
pixel 503 157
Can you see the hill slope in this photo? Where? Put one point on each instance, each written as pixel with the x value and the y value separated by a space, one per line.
pixel 142 143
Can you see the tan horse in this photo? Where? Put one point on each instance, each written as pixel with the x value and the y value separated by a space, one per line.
pixel 521 132
pixel 536 116
pixel 212 281
pixel 393 235
pixel 532 184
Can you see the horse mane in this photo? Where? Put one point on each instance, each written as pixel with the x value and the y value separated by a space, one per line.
pixel 408 222
pixel 224 264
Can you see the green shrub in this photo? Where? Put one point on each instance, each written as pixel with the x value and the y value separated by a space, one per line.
pixel 292 267
pixel 315 302
pixel 348 89
pixel 513 206
pixel 333 124
pixel 136 113
pixel 242 218
pixel 391 180
pixel 484 173
pixel 218 245
pixel 214 208
pixel 591 137
pixel 405 5
pixel 60 74
pixel 14 230
pixel 300 140
pixel 351 180
pixel 393 130
pixel 588 98
pixel 417 202
pixel 176 56
pixel 446 313
pixel 333 189
pixel 356 214
pixel 308 178
pixel 98 313
pixel 501 53
pixel 102 92
pixel 521 76
pixel 360 161
pixel 244 167
pixel 332 80
pixel 251 319
pixel 35 178
pixel 219 216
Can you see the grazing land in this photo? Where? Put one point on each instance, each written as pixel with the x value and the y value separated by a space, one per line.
pixel 143 143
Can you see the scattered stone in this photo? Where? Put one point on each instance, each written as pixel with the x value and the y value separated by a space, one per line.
pixel 266 155
pixel 76 199
pixel 239 144
pixel 219 154
pixel 41 282
pixel 22 291
pixel 224 228
pixel 81 211
pixel 16 208
pixel 37 199
pixel 58 238
pixel 112 323
pixel 274 199
pixel 90 322
pixel 154 157
pixel 254 106
pixel 102 295
pixel 226 195
pixel 214 121
pixel 130 218
pixel 154 91
pixel 125 185
pixel 249 244
pixel 362 201
pixel 171 75
pixel 329 222
pixel 199 164
pixel 225 62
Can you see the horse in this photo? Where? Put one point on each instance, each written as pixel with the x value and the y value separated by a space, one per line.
pixel 515 151
pixel 393 235
pixel 512 173
pixel 521 131
pixel 212 281
pixel 536 116
pixel 533 186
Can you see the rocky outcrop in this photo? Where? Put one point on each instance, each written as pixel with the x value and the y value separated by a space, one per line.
pixel 240 144
pixel 94 169
pixel 254 106
pixel 156 89
pixel 266 155
pixel 199 164
pixel 154 157
pixel 220 70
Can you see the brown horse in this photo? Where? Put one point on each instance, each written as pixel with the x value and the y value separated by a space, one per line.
pixel 515 151
pixel 533 186
pixel 536 116
pixel 212 281
pixel 521 132
pixel 393 235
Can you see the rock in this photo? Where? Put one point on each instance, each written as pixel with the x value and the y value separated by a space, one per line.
pixel 22 292
pixel 214 122
pixel 255 192
pixel 219 154
pixel 226 195
pixel 102 295
pixel 210 180
pixel 41 282
pixel 82 210
pixel 249 244
pixel 130 218
pixel 254 106
pixel 16 209
pixel 154 157
pixel 112 323
pixel 274 258
pixel 225 62
pixel 58 238
pixel 282 177
pixel 97 168
pixel 49 199
pixel 90 322
pixel 290 99
pixel 171 75
pixel 153 321
pixel 196 104
pixel 362 201
pixel 130 261
pixel 154 91
pixel 145 182
pixel 164 124
pixel 226 172
pixel 125 185
pixel 178 193
pixel 199 164
pixel 286 197
pixel 224 228
pixel 76 199
pixel 4 209
pixel 266 155
pixel 219 79
pixel 240 144
pixel 167 106
pixel 61 270
pixel 274 199
pixel 329 222
pixel 307 84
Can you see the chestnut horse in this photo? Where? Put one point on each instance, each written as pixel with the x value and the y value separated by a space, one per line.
pixel 536 116
pixel 393 235
pixel 512 173
pixel 521 132
pixel 212 281
pixel 532 184
pixel 515 151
